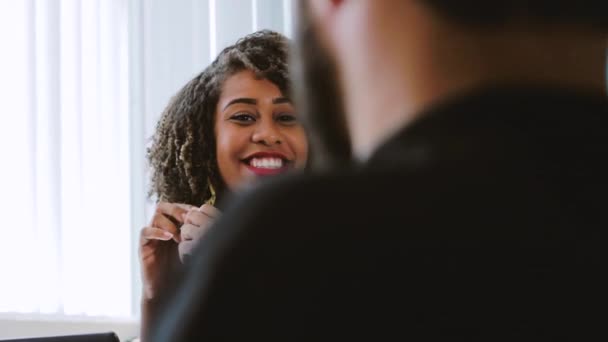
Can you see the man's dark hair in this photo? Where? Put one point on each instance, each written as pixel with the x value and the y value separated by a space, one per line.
pixel 591 14
pixel 182 155
pixel 318 96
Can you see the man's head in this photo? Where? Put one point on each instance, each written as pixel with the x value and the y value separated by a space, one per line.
pixel 379 64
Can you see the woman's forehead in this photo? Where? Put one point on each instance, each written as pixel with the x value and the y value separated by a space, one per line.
pixel 245 84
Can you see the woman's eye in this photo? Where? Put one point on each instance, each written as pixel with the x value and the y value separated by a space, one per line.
pixel 243 118
pixel 287 118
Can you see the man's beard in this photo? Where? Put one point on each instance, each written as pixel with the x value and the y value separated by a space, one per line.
pixel 318 97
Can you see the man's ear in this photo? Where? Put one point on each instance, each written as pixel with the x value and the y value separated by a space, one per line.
pixel 323 14
pixel 325 4
pixel 321 10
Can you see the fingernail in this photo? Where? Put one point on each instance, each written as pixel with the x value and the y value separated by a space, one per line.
pixel 168 235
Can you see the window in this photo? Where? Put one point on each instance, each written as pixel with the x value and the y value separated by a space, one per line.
pixel 65 136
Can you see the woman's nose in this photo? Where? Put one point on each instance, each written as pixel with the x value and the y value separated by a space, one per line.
pixel 268 135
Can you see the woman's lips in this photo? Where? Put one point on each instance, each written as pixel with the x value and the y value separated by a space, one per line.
pixel 267 172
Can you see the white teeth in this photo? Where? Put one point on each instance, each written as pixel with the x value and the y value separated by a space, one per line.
pixel 266 163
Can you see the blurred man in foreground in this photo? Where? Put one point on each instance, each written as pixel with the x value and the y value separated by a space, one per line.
pixel 475 205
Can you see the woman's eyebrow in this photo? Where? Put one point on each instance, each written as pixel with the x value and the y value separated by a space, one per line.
pixel 245 100
pixel 251 101
pixel 280 100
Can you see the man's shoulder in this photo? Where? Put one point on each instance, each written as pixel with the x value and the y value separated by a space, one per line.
pixel 336 197
pixel 330 184
pixel 285 195
pixel 338 189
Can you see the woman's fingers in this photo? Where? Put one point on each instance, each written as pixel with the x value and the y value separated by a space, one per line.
pixel 152 233
pixel 197 217
pixel 169 216
pixel 197 222
pixel 186 207
pixel 173 210
pixel 163 222
pixel 193 232
pixel 202 215
pixel 210 211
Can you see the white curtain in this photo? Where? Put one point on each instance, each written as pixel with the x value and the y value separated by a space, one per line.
pixel 82 83
pixel 66 246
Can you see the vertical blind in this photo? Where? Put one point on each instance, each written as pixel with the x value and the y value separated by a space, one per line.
pixel 66 167
pixel 83 83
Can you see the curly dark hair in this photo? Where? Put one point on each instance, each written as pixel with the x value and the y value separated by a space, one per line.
pixel 182 155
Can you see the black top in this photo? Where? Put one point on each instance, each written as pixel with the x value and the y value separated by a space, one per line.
pixel 483 220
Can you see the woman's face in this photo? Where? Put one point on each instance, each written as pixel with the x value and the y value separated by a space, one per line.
pixel 257 131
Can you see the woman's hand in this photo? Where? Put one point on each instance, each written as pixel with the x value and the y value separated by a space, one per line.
pixel 158 246
pixel 196 222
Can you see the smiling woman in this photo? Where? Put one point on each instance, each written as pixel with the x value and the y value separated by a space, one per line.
pixel 247 81
pixel 256 130
pixel 226 128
